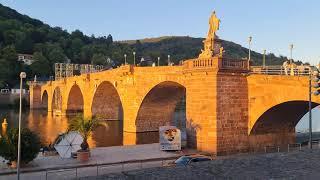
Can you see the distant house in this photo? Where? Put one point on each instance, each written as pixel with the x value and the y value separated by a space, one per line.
pixel 26 58
pixel 4 91
pixel 16 90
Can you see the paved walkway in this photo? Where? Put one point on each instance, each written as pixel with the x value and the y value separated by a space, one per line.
pixel 294 165
pixel 105 155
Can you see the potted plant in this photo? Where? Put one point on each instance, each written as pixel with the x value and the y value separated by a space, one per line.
pixel 85 126
pixel 30 146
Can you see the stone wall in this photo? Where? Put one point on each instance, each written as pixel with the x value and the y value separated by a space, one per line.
pixel 9 99
pixel 232 112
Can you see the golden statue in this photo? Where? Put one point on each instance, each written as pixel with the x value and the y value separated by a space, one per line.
pixel 214 24
pixel 209 42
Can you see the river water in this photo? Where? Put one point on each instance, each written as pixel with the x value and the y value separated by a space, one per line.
pixel 48 127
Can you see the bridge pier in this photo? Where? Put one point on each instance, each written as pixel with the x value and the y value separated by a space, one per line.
pixel 87 113
pixel 35 96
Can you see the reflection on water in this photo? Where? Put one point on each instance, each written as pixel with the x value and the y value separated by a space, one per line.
pixel 49 126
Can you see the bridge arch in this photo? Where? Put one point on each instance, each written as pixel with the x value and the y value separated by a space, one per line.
pixel 106 103
pixel 57 100
pixel 44 100
pixel 276 126
pixel 158 106
pixel 75 100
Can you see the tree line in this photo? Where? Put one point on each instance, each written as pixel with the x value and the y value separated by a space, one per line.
pixel 22 34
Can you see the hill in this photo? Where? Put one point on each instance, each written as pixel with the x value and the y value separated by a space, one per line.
pixel 185 47
pixel 23 34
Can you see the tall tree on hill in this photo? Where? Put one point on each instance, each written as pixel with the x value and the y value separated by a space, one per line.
pixel 109 40
pixel 41 67
pixel 76 45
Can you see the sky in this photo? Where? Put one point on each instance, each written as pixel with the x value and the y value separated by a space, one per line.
pixel 273 24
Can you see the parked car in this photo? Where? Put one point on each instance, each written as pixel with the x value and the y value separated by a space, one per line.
pixel 189 159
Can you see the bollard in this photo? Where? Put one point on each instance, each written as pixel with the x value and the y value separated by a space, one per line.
pixel 4 126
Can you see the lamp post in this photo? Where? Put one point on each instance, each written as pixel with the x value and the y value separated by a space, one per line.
pixel 250 40
pixel 315 77
pixel 125 59
pixel 168 60
pixel 291 48
pixel 158 61
pixel 134 58
pixel 22 76
pixel 264 58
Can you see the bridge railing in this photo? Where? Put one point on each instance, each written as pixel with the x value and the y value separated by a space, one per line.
pixel 234 64
pixel 34 83
pixel 218 63
pixel 280 70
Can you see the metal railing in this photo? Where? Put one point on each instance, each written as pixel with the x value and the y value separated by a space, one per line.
pixel 290 147
pixel 97 169
pixel 268 149
pixel 236 64
pixel 280 70
pixel 294 146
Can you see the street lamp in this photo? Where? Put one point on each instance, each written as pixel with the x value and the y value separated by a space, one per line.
pixel 249 40
pixel 264 58
pixel 22 76
pixel 125 59
pixel 134 58
pixel 316 79
pixel 168 60
pixel 158 61
pixel 291 48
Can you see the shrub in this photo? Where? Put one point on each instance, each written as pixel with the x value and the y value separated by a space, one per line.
pixel 30 145
pixel 85 127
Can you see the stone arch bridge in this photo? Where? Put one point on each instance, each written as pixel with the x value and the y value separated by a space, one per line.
pixel 228 109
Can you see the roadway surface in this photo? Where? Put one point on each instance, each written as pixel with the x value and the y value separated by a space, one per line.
pixel 303 164
pixel 109 159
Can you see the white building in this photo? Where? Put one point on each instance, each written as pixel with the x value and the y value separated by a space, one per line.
pixel 17 91
pixel 26 58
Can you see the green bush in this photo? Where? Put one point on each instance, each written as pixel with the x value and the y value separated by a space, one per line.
pixel 30 145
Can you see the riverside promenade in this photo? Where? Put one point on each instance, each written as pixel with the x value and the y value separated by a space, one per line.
pixel 102 161
pixel 303 164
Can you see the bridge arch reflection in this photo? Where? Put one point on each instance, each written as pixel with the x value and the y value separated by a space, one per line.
pixel 44 100
pixel 57 100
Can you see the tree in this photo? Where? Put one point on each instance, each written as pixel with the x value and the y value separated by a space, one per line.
pixel 109 40
pixel 41 66
pixel 85 127
pixel 86 54
pixel 76 45
pixel 4 73
pixel 9 54
pixel 30 145
pixel 99 59
pixel 56 55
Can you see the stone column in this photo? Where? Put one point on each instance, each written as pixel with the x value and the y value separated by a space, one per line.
pixel 35 97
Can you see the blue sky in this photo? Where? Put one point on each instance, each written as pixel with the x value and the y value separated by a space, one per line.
pixel 274 24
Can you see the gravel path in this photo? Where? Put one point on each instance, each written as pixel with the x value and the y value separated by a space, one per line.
pixel 294 165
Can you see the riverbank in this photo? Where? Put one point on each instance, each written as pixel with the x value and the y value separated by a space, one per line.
pixel 303 164
pixel 106 157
